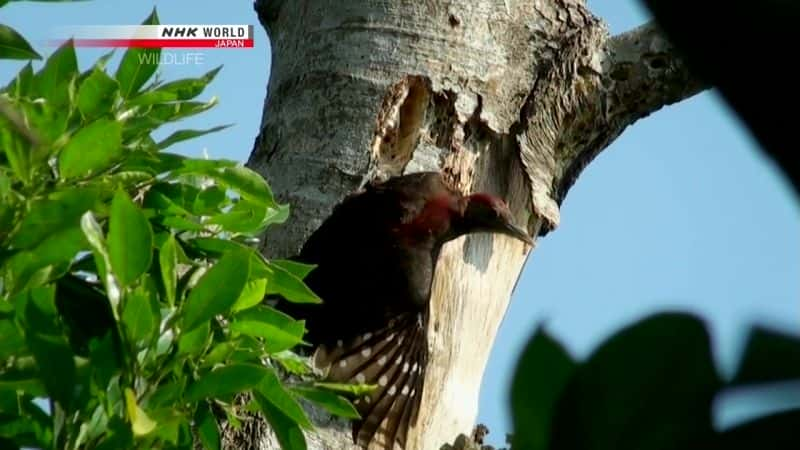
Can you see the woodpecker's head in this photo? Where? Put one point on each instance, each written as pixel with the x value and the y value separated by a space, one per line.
pixel 489 214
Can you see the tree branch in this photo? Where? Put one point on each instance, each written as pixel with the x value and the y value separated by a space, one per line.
pixel 636 73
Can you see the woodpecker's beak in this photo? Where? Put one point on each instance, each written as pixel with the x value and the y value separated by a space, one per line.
pixel 517 232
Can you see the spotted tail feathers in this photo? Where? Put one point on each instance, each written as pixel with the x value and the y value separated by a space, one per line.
pixel 393 359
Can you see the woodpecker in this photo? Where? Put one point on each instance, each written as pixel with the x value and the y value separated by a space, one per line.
pixel 375 257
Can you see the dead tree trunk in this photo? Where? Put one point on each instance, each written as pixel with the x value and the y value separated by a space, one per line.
pixel 515 97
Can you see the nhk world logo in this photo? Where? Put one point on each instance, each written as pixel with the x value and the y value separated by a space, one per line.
pixel 159 36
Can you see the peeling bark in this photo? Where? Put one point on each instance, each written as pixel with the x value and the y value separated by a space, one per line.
pixel 513 97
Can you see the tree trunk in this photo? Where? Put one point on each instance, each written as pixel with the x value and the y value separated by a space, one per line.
pixel 514 97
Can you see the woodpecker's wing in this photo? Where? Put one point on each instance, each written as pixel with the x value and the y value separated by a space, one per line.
pixel 393 359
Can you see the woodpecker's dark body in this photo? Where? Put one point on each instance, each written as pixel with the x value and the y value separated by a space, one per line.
pixel 375 258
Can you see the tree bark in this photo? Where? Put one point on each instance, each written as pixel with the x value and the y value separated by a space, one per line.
pixel 514 97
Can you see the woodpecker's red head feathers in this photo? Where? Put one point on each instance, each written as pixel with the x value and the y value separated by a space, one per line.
pixel 375 258
pixel 486 213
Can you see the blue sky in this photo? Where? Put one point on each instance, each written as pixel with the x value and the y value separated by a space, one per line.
pixel 683 211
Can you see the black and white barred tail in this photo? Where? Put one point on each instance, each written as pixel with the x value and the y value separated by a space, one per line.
pixel 393 359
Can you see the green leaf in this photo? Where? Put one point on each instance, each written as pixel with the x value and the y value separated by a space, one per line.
pixel 138 316
pixel 245 217
pixel 58 211
pixel 769 356
pixel 290 435
pixel 50 259
pixel 92 149
pixel 50 349
pixel 652 383
pixel 195 341
pixel 207 428
pixel 96 94
pixel 21 85
pixel 247 183
pixel 184 89
pixel 14 46
pixel 777 431
pixel 13 342
pixel 162 113
pixel 105 360
pixel 535 391
pixel 209 201
pixel 170 198
pixel 218 354
pixel 217 290
pixel 94 234
pixel 288 285
pixel 141 423
pixel 167 394
pixel 138 65
pixel 219 246
pixel 182 224
pixel 118 435
pixel 334 404
pixel 17 148
pixel 168 260
pixel 274 392
pixel 299 270
pixel 183 135
pixel 60 68
pixel 279 331
pixel 130 240
pixel 354 389
pixel 226 380
pixel 252 294
pixel 28 426
pixel 292 362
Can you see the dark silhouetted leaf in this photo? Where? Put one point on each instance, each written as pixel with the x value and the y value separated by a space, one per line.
pixel 649 387
pixel 769 356
pixel 541 375
pixel 777 431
